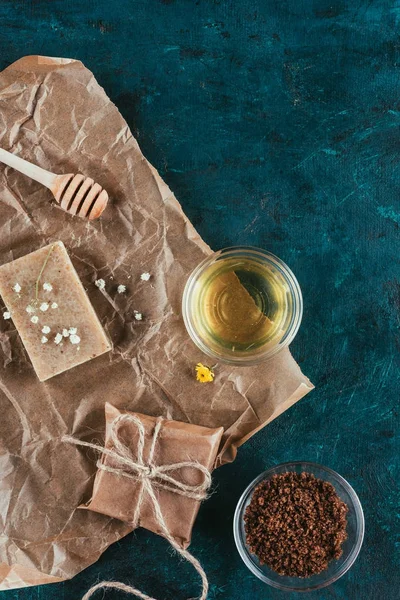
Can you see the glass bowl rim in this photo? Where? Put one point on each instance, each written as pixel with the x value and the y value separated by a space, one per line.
pixel 294 289
pixel 359 517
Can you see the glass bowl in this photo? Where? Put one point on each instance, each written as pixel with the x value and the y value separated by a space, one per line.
pixel 336 568
pixel 272 305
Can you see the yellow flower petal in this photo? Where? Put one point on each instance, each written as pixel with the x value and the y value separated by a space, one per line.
pixel 204 374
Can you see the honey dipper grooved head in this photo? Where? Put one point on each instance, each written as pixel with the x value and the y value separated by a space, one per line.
pixel 80 195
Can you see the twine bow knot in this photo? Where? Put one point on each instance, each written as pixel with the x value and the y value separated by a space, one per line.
pixel 148 473
pixel 150 476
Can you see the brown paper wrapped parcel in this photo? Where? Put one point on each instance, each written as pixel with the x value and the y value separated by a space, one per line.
pixel 44 537
pixel 117 496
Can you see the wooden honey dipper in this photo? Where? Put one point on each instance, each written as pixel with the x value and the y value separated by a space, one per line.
pixel 76 194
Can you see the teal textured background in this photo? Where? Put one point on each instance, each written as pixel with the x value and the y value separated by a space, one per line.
pixel 276 123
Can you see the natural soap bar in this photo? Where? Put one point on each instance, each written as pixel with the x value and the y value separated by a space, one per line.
pixel 51 311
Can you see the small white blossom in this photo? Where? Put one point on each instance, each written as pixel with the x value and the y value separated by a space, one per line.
pixel 74 339
pixel 35 319
pixel 30 310
pixel 54 305
pixel 65 332
pixel 100 283
pixel 138 315
pixel 6 315
pixel 145 276
pixel 58 338
pixel 47 287
pixel 46 329
pixel 121 289
pixel 44 340
pixel 17 288
pixel 72 330
pixel 44 306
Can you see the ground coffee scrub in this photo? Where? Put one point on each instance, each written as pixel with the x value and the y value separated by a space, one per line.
pixel 296 524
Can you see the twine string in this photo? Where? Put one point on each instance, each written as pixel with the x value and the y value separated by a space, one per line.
pixel 150 477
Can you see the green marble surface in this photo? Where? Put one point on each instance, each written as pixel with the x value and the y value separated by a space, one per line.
pixel 276 123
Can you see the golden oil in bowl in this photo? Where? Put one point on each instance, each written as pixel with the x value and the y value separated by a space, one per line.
pixel 242 305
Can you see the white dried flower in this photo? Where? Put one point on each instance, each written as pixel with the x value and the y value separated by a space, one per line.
pixel 100 283
pixel 58 338
pixel 17 288
pixel 54 305
pixel 44 340
pixel 74 339
pixel 72 330
pixel 30 310
pixel 46 329
pixel 6 315
pixel 138 316
pixel 47 287
pixel 121 289
pixel 35 319
pixel 44 306
pixel 65 332
pixel 145 276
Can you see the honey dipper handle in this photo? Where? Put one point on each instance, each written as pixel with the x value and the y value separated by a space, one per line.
pixel 23 166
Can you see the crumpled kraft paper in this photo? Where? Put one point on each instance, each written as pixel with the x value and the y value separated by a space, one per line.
pixel 54 113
